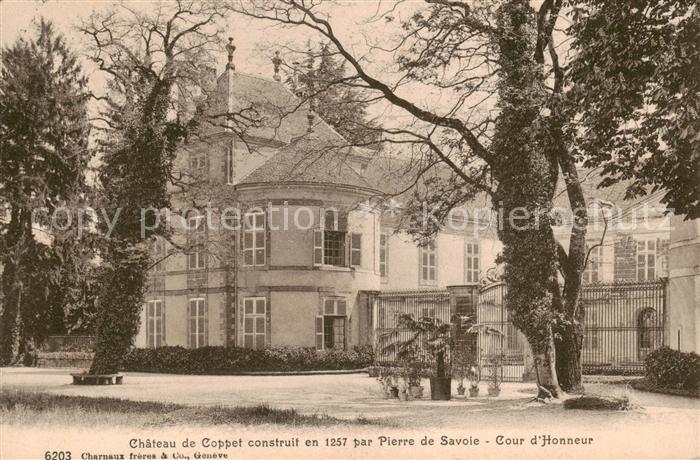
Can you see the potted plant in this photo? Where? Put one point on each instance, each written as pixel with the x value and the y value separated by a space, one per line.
pixel 495 377
pixel 387 381
pixel 461 374
pixel 461 361
pixel 403 385
pixel 437 338
pixel 414 380
pixel 474 377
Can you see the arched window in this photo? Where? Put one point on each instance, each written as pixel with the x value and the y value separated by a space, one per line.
pixel 646 327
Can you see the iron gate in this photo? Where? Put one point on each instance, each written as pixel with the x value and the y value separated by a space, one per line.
pixel 624 322
pixel 508 346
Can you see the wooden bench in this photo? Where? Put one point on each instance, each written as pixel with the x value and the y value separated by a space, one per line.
pixel 97 379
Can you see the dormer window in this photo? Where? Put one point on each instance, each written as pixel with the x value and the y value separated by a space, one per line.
pixel 198 165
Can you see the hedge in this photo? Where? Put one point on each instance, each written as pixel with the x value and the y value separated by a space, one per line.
pixel 235 360
pixel 667 368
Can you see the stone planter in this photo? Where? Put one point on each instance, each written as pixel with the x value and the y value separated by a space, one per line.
pixel 440 388
pixel 473 392
pixel 416 391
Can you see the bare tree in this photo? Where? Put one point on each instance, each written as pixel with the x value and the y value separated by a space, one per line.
pixel 158 65
pixel 501 133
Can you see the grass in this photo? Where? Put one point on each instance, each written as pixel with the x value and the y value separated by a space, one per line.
pixel 595 402
pixel 644 385
pixel 21 407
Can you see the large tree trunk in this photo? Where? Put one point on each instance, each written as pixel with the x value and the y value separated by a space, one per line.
pixel 545 372
pixel 12 330
pixel 569 343
pixel 119 308
pixel 527 177
pixel 568 357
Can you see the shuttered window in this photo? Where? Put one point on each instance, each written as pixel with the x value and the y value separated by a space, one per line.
pixel 471 262
pixel 254 322
pixel 331 326
pixel 591 273
pixel 155 323
pixel 196 228
pixel 428 266
pixel 646 260
pixel 384 255
pixel 254 246
pixel 197 323
pixel 355 249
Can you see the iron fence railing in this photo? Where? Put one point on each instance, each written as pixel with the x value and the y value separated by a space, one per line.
pixel 54 343
pixel 391 305
pixel 624 322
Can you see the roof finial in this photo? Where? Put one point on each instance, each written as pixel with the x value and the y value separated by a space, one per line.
pixel 230 48
pixel 310 115
pixel 277 61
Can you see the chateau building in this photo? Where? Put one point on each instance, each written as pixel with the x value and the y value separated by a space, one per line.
pixel 297 262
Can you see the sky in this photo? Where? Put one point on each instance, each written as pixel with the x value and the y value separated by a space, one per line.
pixel 252 38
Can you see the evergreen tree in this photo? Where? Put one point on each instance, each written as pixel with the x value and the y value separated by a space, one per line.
pixel 44 144
pixel 323 80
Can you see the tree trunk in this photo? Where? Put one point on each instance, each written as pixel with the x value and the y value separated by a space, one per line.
pixel 527 177
pixel 545 372
pixel 119 309
pixel 568 358
pixel 11 330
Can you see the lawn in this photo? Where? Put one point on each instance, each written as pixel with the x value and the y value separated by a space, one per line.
pixel 322 407
pixel 19 407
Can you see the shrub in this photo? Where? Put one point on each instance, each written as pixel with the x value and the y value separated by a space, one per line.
pixel 235 360
pixel 667 368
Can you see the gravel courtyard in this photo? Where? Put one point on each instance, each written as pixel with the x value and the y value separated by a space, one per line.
pixel 668 422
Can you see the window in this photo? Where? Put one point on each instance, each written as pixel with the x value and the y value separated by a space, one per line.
pixel 330 241
pixel 155 315
pixel 646 260
pixel 195 257
pixel 254 239
pixel 229 165
pixel 254 311
pixel 198 165
pixel 591 273
pixel 662 258
pixel 427 263
pixel 384 255
pixel 195 260
pixel 159 252
pixel 355 249
pixel 334 248
pixel 330 327
pixel 471 262
pixel 197 315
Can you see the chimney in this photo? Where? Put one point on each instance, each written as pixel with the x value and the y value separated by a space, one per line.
pixel 276 62
pixel 231 48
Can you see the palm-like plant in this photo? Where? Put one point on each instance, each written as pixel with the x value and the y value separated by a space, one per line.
pixel 437 337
